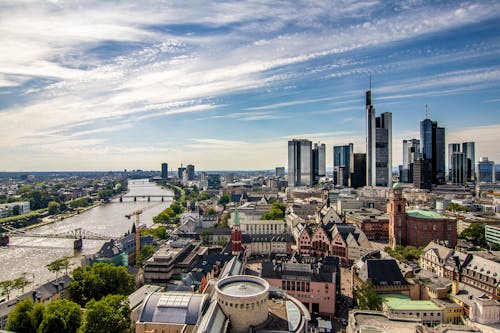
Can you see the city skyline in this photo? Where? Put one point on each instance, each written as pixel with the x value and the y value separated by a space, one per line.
pixel 129 85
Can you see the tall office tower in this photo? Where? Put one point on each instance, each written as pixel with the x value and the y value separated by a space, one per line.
pixel 213 181
pixel 164 170
pixel 378 146
pixel 358 177
pixel 190 172
pixel 370 140
pixel 452 148
pixel 422 174
pixel 343 164
pixel 280 172
pixel 319 161
pixel 411 152
pixel 432 140
pixel 383 150
pixel 457 171
pixel 180 171
pixel 300 163
pixel 229 178
pixel 485 171
pixel 469 150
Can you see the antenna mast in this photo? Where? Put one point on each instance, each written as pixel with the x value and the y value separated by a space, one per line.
pixel 426 111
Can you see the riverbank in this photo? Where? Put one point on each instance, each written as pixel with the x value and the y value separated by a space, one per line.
pixel 61 217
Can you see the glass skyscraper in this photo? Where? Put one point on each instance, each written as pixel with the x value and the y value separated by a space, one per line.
pixel 300 163
pixel 485 171
pixel 343 164
pixel 432 140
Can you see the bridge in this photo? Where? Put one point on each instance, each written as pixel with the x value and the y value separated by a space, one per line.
pixel 148 196
pixel 77 234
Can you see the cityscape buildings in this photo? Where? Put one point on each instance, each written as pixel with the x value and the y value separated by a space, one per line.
pixel 432 140
pixel 300 163
pixel 343 164
pixel 319 161
pixel 378 145
pixel 485 171
pixel 164 170
pixel 411 152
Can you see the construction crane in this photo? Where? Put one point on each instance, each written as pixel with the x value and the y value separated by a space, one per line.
pixel 137 215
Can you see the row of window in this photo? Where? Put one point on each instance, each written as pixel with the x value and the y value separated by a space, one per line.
pixel 242 306
pixel 296 285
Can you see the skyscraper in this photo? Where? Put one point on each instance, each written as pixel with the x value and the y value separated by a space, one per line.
pixel 469 150
pixel 358 177
pixel 411 152
pixel 432 140
pixel 164 170
pixel 343 164
pixel 319 161
pixel 300 163
pixel 378 146
pixel 422 174
pixel 452 148
pixel 458 174
pixel 190 172
pixel 280 172
pixel 485 171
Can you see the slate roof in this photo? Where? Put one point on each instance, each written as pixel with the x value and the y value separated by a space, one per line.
pixel 324 274
pixel 384 272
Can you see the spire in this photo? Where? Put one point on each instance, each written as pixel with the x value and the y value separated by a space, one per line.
pixel 426 111
pixel 236 216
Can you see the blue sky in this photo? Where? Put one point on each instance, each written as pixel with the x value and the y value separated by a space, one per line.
pixel 103 85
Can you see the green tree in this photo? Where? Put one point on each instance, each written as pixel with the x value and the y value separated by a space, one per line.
pixel 224 199
pixel 454 207
pixel 111 314
pixel 58 265
pixel 98 281
pixel 21 318
pixel 277 212
pixel 203 196
pixel 53 208
pixel 475 233
pixel 367 298
pixel 211 212
pixel 157 233
pixel 61 316
pixel 146 252
pixel 6 287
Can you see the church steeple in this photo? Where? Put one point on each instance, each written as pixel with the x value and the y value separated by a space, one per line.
pixel 236 247
pixel 396 209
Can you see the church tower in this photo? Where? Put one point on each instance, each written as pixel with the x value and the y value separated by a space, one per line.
pixel 396 209
pixel 236 247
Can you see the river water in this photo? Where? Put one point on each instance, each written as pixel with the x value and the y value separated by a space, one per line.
pixel 29 256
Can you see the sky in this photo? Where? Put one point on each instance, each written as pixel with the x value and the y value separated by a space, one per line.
pixel 223 85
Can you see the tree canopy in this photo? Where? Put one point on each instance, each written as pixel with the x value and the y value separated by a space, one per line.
pixel 475 233
pixel 111 314
pixel 367 298
pixel 23 319
pixel 277 212
pixel 61 316
pixel 224 199
pixel 98 281
pixel 58 265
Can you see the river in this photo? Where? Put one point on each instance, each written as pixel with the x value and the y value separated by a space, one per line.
pixel 29 256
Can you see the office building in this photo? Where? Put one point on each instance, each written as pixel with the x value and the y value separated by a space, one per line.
pixel 485 171
pixel 452 148
pixel 358 177
pixel 180 172
pixel 458 168
pixel 343 164
pixel 164 170
pixel 432 140
pixel 300 163
pixel 280 172
pixel 319 161
pixel 378 146
pixel 422 174
pixel 411 152
pixel 213 181
pixel 469 150
pixel 190 172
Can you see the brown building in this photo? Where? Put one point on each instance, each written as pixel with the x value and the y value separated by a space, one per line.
pixel 417 227
pixel 374 223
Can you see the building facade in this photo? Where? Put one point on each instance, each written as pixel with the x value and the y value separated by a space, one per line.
pixel 164 170
pixel 300 163
pixel 343 164
pixel 319 161
pixel 432 139
pixel 485 171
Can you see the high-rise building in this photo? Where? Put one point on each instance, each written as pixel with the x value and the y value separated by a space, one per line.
pixel 457 170
pixel 300 163
pixel 469 150
pixel 485 171
pixel 190 172
pixel 358 177
pixel 411 152
pixel 452 148
pixel 432 140
pixel 343 164
pixel 378 146
pixel 164 170
pixel 280 172
pixel 422 174
pixel 214 181
pixel 180 172
pixel 319 161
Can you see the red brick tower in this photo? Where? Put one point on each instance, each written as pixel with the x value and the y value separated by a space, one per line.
pixel 396 209
pixel 236 248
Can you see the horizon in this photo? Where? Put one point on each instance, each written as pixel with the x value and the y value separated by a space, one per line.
pixel 110 86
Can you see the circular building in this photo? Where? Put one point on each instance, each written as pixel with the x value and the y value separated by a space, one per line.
pixel 243 298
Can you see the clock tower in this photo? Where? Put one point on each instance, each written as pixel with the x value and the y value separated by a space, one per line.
pixel 396 209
